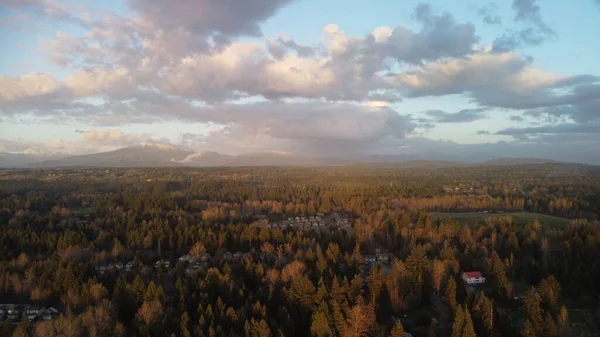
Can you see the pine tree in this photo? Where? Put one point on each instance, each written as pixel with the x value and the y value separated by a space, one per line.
pixel 417 265
pixel 450 295
pixel 321 294
pixel 184 325
pixel 533 310
pixel 528 330
pixel 468 329
pixel 498 274
pixel 397 330
pixel 337 318
pixel 360 319
pixel 376 282
pixel 432 332
pixel 483 310
pixel 459 321
pixel 320 326
pixel 549 325
pixel 549 290
pixel 563 316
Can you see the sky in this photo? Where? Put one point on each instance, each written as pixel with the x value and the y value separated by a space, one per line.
pixel 467 79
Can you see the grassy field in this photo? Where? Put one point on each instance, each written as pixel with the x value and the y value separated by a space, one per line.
pixel 519 218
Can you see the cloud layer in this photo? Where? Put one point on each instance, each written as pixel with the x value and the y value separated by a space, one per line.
pixel 208 62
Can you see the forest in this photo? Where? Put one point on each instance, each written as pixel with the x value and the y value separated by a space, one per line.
pixel 272 251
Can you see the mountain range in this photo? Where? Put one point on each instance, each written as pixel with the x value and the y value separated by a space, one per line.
pixel 160 155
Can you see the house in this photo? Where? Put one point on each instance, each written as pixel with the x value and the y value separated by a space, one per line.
pixel 49 314
pixel 238 255
pixel 129 265
pixel 370 259
pixel 12 314
pixel 165 263
pixel 383 258
pixel 32 314
pixel 473 277
pixel 205 257
pixel 228 256
pixel 186 258
pixel 119 265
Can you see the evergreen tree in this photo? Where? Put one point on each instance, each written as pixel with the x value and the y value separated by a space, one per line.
pixel 498 274
pixel 533 310
pixel 337 318
pixel 549 325
pixel 397 330
pixel 468 329
pixel 320 325
pixel 432 332
pixel 450 295
pixel 459 321
pixel 528 330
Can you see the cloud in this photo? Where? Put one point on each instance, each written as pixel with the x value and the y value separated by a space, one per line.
pixel 439 37
pixel 488 15
pixel 552 129
pixel 26 86
pixel 115 137
pixel 557 133
pixel 504 80
pixel 46 9
pixel 280 46
pixel 462 116
pixel 177 54
pixel 528 10
pixel 534 33
pixel 204 17
pixel 482 132
pixel 188 61
pixel 517 118
pixel 317 127
pixel 475 73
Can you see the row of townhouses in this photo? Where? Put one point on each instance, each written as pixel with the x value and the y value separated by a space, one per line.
pixel 14 313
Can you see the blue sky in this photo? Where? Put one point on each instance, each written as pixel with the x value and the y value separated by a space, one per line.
pixel 88 76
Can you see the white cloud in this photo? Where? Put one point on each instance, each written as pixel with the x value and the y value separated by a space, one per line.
pixel 26 86
pixel 109 136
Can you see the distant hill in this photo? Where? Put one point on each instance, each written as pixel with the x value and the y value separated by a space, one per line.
pixel 417 164
pixel 141 155
pixel 157 155
pixel 160 155
pixel 267 158
pixel 517 161
pixel 22 159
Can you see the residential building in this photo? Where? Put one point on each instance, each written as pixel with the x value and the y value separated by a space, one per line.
pixel 473 277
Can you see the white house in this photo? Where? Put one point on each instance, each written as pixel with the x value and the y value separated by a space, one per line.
pixel 473 277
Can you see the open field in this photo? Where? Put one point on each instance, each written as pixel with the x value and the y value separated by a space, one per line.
pixel 519 218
